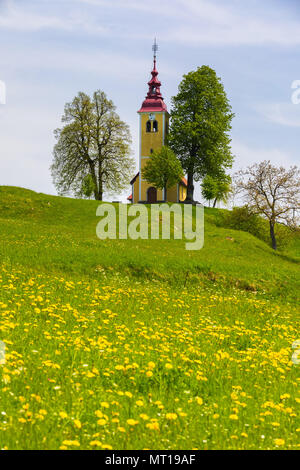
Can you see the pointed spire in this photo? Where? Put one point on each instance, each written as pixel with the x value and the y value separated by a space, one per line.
pixel 154 100
pixel 155 49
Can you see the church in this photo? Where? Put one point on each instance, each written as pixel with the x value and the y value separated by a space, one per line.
pixel 153 129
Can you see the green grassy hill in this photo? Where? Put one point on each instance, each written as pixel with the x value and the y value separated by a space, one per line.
pixel 59 234
pixel 142 344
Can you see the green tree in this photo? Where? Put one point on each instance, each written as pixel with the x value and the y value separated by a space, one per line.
pixel 163 169
pixel 216 189
pixel 93 142
pixel 87 187
pixel 201 121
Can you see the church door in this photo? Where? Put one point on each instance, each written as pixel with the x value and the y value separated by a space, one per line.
pixel 152 195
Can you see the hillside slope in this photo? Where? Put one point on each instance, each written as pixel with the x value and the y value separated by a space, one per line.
pixel 59 234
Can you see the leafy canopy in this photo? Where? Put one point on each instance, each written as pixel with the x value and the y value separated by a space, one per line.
pixel 92 147
pixel 163 169
pixel 217 189
pixel 200 123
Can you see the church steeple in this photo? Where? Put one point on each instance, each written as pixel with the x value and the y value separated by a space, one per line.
pixel 153 129
pixel 154 100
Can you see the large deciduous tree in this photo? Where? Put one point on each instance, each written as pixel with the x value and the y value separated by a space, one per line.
pixel 94 146
pixel 272 192
pixel 163 169
pixel 200 123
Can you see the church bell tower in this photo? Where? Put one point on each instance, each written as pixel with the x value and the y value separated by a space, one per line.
pixel 154 122
pixel 154 125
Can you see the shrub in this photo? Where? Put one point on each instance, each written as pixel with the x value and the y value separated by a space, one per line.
pixel 242 218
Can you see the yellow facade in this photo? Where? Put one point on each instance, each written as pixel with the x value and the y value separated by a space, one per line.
pixel 152 140
pixel 175 194
pixel 153 131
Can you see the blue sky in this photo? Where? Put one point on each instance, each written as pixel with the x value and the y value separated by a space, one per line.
pixel 51 49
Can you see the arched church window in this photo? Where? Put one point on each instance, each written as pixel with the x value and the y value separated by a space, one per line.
pixel 154 90
pixel 148 126
pixel 155 126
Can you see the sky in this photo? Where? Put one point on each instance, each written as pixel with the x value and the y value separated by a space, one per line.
pixel 52 49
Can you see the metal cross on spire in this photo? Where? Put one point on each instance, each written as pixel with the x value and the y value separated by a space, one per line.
pixel 155 48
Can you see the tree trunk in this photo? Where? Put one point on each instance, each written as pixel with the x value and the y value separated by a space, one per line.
pixel 190 188
pixel 99 185
pixel 98 196
pixel 165 189
pixel 272 233
pixel 215 202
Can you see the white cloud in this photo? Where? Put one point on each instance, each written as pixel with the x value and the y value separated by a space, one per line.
pixel 247 155
pixel 18 18
pixel 193 22
pixel 285 114
pixel 213 24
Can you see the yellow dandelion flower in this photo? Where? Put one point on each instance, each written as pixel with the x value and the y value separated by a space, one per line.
pixel 234 417
pixel 144 416
pixel 132 422
pixel 106 447
pixel 101 422
pixel 279 442
pixel 199 400
pixel 71 443
pixel 171 416
pixel 153 426
pixel 95 444
pixel 77 423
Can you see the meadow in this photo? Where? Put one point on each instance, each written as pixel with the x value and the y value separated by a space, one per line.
pixel 141 344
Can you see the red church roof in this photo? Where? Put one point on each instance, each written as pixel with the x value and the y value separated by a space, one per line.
pixel 154 101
